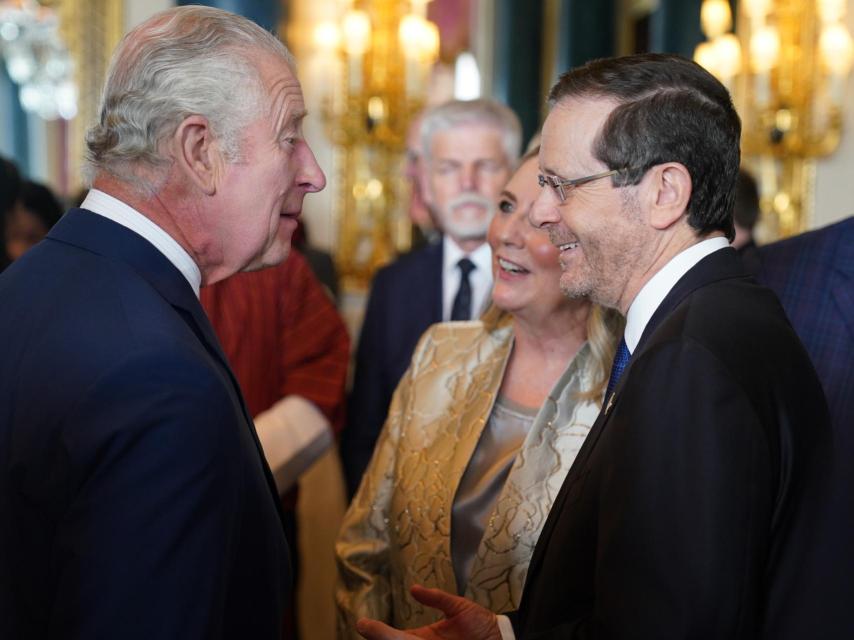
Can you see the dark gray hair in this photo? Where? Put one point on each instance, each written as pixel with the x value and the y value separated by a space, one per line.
pixel 466 112
pixel 182 61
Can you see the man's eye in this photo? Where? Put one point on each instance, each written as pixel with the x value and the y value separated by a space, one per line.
pixel 490 166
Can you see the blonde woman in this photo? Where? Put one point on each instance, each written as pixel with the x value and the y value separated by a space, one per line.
pixel 480 435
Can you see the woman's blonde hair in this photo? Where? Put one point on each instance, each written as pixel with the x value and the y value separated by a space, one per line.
pixel 604 328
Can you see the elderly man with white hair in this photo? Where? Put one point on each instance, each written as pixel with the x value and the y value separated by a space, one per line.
pixel 468 150
pixel 135 501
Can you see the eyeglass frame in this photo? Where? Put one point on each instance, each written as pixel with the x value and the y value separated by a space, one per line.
pixel 558 184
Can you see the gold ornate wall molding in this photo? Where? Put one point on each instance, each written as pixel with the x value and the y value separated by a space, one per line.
pixel 375 58
pixel 91 29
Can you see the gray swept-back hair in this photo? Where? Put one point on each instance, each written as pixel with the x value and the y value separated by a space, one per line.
pixel 467 112
pixel 183 61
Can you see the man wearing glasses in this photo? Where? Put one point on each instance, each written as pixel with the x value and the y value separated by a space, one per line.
pixel 694 508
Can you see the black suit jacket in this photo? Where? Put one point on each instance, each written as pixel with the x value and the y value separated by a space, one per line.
pixel 134 498
pixel 687 511
pixel 405 299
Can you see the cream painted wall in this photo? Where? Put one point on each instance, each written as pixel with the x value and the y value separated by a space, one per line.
pixel 834 198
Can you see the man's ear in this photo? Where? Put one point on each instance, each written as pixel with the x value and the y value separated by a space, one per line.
pixel 668 193
pixel 196 153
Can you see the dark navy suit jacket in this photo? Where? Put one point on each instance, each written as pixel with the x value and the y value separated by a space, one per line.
pixel 134 499
pixel 405 299
pixel 813 275
pixel 689 511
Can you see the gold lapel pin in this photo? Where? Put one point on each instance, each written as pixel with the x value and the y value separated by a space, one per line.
pixel 610 403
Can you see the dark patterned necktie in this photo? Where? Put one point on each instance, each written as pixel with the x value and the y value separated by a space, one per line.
pixel 621 359
pixel 462 303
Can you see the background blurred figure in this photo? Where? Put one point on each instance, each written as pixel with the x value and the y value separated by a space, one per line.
pixel 290 351
pixel 745 215
pixel 813 275
pixel 29 220
pixel 468 152
pixel 481 432
pixel 424 230
pixel 10 187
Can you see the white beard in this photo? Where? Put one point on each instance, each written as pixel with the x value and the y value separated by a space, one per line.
pixel 461 226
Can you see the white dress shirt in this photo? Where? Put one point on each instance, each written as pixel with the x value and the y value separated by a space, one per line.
pixel 113 209
pixel 480 277
pixel 641 310
pixel 652 294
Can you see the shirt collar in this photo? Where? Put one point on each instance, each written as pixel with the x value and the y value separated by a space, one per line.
pixel 656 289
pixel 113 209
pixel 452 254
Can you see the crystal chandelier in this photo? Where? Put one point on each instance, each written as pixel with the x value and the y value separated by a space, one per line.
pixel 37 59
pixel 786 64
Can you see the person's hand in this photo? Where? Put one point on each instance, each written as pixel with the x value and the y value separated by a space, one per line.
pixel 464 620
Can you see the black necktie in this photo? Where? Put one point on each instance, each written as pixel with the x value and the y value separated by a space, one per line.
pixel 462 303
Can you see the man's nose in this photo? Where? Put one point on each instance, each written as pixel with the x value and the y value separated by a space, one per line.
pixel 310 176
pixel 468 178
pixel 543 211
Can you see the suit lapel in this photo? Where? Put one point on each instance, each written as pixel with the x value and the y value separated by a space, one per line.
pixel 720 265
pixel 574 478
pixel 104 237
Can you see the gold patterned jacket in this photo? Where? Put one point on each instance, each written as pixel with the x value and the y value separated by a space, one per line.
pixel 396 532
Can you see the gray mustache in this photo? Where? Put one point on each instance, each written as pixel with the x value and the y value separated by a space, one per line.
pixel 471 199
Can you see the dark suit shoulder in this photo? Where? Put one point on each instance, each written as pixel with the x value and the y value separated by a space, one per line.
pixel 738 320
pixel 99 309
pixel 95 323
pixel 727 316
pixel 415 263
pixel 820 245
pixel 742 325
pixel 405 298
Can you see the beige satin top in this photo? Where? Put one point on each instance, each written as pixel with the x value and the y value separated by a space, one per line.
pixel 486 474
pixel 396 532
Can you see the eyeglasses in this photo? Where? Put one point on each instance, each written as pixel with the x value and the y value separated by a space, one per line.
pixel 564 187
